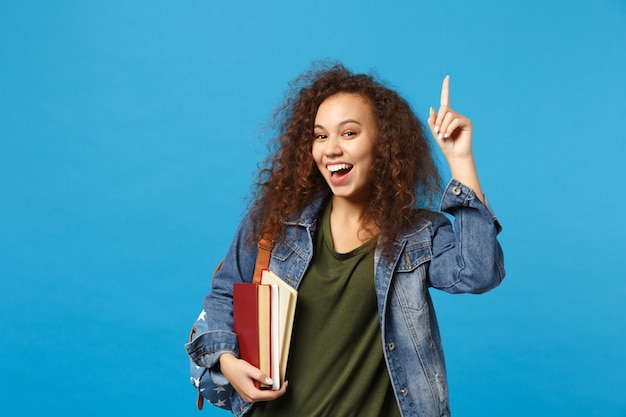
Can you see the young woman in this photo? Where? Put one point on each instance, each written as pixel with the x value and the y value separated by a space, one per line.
pixel 346 196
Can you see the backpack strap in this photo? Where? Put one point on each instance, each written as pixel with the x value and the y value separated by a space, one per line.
pixel 263 259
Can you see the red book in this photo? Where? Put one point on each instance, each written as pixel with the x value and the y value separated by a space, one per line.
pixel 248 318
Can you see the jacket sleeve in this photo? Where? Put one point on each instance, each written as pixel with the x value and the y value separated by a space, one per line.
pixel 215 324
pixel 467 258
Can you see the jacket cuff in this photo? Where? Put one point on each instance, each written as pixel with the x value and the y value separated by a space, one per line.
pixel 456 195
pixel 206 349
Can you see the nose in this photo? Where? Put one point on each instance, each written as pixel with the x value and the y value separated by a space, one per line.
pixel 333 146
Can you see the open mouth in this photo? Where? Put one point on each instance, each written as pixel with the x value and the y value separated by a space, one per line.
pixel 338 170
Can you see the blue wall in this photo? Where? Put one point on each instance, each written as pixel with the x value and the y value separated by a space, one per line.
pixel 130 133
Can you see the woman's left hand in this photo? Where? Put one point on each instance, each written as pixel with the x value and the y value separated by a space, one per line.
pixel 452 131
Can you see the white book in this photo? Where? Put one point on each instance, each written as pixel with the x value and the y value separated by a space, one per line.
pixel 287 297
pixel 275 336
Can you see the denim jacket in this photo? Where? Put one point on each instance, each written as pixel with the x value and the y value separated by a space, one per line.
pixel 431 253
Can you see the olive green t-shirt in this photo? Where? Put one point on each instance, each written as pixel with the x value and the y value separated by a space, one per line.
pixel 336 366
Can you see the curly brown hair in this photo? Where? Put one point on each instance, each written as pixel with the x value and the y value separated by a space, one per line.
pixel 405 177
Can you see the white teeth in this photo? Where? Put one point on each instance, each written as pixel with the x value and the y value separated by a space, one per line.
pixel 338 167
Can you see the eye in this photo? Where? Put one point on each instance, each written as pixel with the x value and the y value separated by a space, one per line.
pixel 349 133
pixel 320 136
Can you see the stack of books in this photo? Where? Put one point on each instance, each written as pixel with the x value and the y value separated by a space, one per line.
pixel 263 317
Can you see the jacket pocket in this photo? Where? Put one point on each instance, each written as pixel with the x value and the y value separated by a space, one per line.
pixel 409 284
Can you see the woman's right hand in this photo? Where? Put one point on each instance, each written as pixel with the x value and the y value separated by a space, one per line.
pixel 242 376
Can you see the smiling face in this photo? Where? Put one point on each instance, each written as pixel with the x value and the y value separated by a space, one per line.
pixel 343 148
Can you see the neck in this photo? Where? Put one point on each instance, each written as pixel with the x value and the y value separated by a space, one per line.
pixel 346 223
pixel 348 209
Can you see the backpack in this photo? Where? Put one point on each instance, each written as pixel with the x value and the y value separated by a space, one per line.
pixel 200 377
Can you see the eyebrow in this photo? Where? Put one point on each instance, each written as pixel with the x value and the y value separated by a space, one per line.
pixel 345 122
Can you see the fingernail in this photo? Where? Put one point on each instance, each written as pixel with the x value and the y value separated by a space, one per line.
pixel 440 136
pixel 436 128
pixel 269 381
pixel 446 135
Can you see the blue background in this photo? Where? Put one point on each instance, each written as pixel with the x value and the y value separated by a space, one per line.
pixel 130 133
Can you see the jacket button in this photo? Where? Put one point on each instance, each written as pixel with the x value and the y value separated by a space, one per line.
pixel 404 391
pixel 456 190
pixel 391 346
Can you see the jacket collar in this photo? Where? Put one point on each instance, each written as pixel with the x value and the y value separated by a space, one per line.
pixel 309 215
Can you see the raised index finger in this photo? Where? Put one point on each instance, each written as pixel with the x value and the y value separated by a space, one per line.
pixel 445 92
